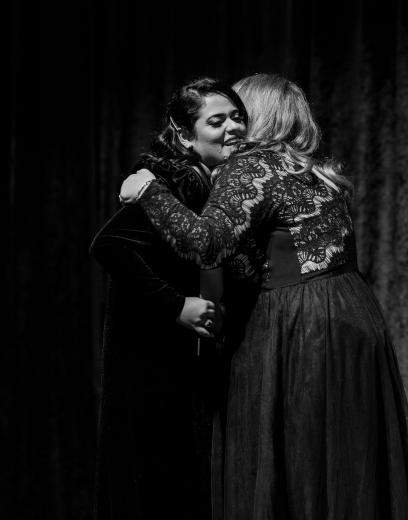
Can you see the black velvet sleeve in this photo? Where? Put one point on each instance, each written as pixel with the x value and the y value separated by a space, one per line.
pixel 119 248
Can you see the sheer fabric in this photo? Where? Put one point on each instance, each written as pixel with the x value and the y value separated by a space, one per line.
pixel 314 422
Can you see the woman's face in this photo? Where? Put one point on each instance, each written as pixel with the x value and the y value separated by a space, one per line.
pixel 218 129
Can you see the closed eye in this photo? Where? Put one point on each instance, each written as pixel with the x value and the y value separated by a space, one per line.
pixel 216 122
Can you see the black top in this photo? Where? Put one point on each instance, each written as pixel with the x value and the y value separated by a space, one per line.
pixel 255 200
pixel 155 422
pixel 138 260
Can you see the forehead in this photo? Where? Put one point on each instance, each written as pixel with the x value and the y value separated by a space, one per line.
pixel 216 104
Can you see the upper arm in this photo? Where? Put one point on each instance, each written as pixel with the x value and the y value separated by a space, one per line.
pixel 127 228
pixel 236 205
pixel 123 248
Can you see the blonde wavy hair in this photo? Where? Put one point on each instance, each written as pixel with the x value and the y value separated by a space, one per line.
pixel 280 121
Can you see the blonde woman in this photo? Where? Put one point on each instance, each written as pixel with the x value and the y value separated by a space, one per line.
pixel 317 416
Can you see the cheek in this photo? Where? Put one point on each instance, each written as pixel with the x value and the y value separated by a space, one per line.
pixel 211 146
pixel 214 140
pixel 211 137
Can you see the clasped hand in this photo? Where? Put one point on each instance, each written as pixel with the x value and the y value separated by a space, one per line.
pixel 196 313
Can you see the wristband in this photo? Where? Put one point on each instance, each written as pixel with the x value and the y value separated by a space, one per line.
pixel 144 186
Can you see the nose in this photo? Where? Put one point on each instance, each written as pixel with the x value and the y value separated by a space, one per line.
pixel 234 127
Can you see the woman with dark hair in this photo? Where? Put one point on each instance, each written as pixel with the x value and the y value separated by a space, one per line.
pixel 317 415
pixel 156 409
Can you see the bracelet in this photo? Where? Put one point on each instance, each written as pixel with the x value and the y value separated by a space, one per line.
pixel 144 186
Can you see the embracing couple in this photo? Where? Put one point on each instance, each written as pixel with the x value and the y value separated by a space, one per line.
pixel 302 414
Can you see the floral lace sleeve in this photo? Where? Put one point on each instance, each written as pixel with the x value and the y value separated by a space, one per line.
pixel 235 208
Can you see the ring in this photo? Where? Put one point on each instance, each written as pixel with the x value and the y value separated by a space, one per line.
pixel 208 323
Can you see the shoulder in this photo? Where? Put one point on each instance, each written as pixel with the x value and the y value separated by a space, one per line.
pixel 257 164
pixel 268 160
pixel 181 178
pixel 190 188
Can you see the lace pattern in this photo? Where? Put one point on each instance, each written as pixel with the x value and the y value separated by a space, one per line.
pixel 249 194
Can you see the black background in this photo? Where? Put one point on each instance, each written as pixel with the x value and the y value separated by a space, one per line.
pixel 87 84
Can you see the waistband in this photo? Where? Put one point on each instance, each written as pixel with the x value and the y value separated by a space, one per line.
pixel 318 275
pixel 329 273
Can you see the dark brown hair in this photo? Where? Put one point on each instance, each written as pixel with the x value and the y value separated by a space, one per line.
pixel 182 112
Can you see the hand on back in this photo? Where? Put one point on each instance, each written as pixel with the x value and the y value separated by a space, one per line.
pixel 132 186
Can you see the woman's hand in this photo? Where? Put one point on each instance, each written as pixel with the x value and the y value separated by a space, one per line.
pixel 196 314
pixel 132 186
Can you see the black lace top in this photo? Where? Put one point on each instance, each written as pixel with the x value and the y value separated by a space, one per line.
pixel 252 196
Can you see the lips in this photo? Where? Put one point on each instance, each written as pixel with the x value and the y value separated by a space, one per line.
pixel 232 142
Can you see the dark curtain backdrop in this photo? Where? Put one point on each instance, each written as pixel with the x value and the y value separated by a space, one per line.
pixel 88 82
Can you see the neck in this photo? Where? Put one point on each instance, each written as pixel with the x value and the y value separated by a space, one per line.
pixel 206 170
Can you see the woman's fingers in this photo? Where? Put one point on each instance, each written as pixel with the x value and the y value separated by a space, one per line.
pixel 204 332
pixel 133 184
pixel 199 315
pixel 208 318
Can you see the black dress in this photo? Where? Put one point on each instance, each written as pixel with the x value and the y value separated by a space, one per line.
pixel 316 425
pixel 154 446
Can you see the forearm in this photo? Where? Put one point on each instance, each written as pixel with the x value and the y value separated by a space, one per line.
pixel 241 198
pixel 206 239
pixel 129 270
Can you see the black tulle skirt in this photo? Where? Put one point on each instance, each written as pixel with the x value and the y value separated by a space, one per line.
pixel 315 423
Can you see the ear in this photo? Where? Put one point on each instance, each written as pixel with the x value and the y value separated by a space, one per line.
pixel 185 138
